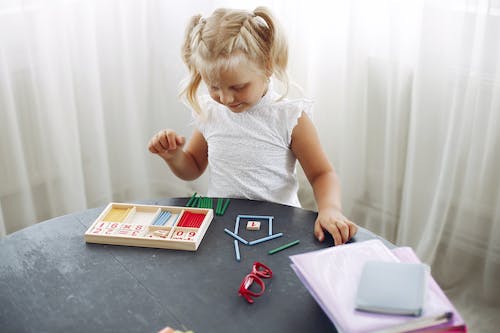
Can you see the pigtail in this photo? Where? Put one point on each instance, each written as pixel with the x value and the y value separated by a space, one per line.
pixel 278 53
pixel 191 41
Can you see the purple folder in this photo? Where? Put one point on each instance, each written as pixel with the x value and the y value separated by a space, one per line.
pixel 332 275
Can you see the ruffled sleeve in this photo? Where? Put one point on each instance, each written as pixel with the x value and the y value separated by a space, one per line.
pixel 296 108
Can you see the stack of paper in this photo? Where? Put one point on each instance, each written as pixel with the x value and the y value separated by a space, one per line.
pixel 332 277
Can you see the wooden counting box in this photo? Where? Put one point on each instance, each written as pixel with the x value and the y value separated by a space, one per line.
pixel 167 227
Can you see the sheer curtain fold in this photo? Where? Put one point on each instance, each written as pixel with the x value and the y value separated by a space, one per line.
pixel 75 101
pixel 407 105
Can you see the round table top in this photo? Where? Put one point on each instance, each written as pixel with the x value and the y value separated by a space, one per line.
pixel 51 280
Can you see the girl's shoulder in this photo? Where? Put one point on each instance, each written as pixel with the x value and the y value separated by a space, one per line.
pixel 286 114
pixel 295 106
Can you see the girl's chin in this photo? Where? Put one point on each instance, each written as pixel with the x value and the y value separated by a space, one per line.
pixel 237 108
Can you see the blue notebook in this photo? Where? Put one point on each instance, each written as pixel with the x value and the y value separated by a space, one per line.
pixel 392 288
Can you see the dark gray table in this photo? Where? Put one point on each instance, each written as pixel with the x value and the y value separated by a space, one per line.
pixel 52 281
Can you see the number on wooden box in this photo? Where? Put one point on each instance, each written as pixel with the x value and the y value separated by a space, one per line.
pixel 178 234
pixel 190 235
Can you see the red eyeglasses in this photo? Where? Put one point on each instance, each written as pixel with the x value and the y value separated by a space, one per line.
pixel 258 271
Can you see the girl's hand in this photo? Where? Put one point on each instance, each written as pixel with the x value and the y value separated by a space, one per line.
pixel 333 221
pixel 166 143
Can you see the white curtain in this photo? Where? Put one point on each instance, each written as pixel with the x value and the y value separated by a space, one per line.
pixel 407 104
pixel 83 86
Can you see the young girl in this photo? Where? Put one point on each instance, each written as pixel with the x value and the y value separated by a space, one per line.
pixel 249 135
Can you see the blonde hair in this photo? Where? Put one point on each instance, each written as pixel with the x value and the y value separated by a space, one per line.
pixel 221 40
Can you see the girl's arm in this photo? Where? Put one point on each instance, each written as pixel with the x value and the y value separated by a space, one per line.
pixel 187 164
pixel 323 179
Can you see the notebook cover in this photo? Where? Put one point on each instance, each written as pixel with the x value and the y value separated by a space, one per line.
pixel 392 287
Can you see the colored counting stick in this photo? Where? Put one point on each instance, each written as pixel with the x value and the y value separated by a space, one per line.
pixel 219 206
pixel 191 220
pixel 229 232
pixel 162 218
pixel 191 200
pixel 255 217
pixel 237 225
pixel 286 246
pixel 237 250
pixel 225 207
pixel 117 215
pixel 265 239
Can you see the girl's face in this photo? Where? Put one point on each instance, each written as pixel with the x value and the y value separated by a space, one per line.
pixel 238 88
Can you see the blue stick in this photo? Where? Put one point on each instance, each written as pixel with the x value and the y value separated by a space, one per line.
pixel 229 232
pixel 255 217
pixel 165 217
pixel 161 219
pixel 156 220
pixel 270 226
pixel 260 240
pixel 237 250
pixel 237 225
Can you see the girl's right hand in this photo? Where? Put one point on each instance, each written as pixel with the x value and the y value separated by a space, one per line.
pixel 166 143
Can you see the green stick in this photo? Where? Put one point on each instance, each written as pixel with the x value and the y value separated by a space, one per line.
pixel 219 206
pixel 225 207
pixel 286 246
pixel 190 202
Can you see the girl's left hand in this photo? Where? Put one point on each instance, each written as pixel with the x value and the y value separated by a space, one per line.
pixel 333 221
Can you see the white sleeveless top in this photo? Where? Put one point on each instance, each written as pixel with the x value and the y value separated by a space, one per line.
pixel 249 153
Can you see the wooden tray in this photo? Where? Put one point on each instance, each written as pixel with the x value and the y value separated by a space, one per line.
pixel 167 227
